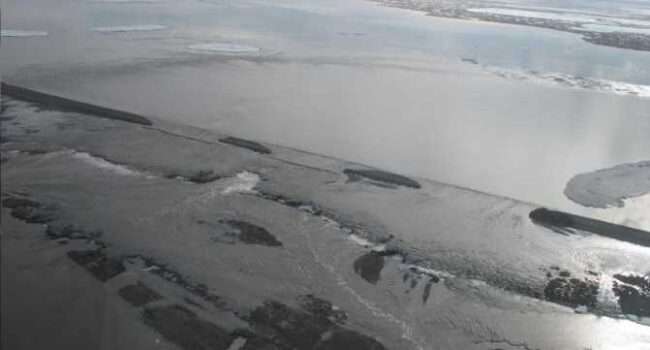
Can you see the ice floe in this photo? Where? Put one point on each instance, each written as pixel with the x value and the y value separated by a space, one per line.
pixel 228 48
pixel 132 28
pixel 14 33
pixel 622 193
pixel 609 187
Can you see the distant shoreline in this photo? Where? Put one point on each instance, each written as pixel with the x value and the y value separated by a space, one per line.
pixel 621 40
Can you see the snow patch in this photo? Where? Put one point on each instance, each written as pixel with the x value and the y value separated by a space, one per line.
pixel 366 243
pixel 534 14
pixel 576 82
pixel 225 48
pixel 631 22
pixel 606 28
pixel 427 271
pixel 14 33
pixel 581 309
pixel 244 182
pixel 105 165
pixel 132 28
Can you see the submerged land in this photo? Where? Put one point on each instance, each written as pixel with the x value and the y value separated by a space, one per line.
pixel 126 231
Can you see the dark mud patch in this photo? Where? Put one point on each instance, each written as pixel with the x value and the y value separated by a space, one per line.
pixel 369 266
pixel 572 292
pixel 60 126
pixel 192 302
pixel 252 234
pixel 322 308
pixel 427 290
pixel 139 294
pixel 253 341
pixel 247 144
pixel 15 202
pixel 316 324
pixel 469 60
pixel 289 328
pixel 30 211
pixel 412 277
pixel 36 151
pixel 198 289
pixel 381 176
pixel 47 101
pixel 97 263
pixel 347 339
pixel 562 222
pixel 199 177
pixel 633 294
pixel 185 329
pixel 29 131
pixel 344 223
pixel 68 231
pixel 517 287
pixel 414 282
pixel 4 138
pixel 204 176
pixel 630 41
pixel 307 206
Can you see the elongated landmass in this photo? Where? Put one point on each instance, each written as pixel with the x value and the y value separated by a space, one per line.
pixel 61 103
pixel 243 143
pixel 381 176
pixel 562 220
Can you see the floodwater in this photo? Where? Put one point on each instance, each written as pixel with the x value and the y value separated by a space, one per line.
pixel 464 279
pixel 349 79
